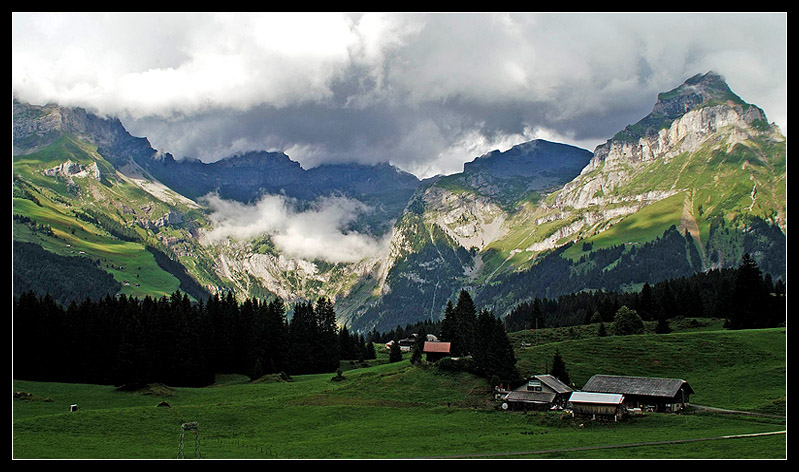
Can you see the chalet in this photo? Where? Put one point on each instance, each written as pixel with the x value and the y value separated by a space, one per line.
pixel 648 393
pixel 436 350
pixel 597 405
pixel 540 392
pixel 406 344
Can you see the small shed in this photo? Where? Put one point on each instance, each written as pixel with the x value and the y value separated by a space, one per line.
pixel 597 405
pixel 436 350
pixel 648 393
pixel 524 400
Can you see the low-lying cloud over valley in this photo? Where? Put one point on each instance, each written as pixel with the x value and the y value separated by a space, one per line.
pixel 319 232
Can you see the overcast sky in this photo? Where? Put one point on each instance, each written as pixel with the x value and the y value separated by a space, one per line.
pixel 425 92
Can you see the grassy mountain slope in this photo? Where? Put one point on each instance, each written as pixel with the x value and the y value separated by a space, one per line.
pixel 103 215
pixel 703 162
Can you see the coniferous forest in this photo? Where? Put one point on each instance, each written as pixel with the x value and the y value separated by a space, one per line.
pixel 121 340
pixel 744 297
pixel 171 340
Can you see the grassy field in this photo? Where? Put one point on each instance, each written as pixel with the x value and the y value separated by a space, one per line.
pixel 401 411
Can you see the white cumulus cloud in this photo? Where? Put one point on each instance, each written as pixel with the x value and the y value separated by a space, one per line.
pixel 319 232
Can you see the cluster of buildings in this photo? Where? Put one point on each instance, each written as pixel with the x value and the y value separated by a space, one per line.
pixel 602 397
pixel 432 348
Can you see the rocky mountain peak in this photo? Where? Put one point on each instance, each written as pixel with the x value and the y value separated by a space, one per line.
pixel 680 121
pixel 697 90
pixel 35 127
pixel 529 159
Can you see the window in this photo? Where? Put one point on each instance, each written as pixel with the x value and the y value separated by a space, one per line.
pixel 533 385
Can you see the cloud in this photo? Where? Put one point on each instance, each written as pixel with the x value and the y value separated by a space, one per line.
pixel 316 233
pixel 422 91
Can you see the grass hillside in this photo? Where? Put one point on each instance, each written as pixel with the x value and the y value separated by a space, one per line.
pixel 106 220
pixel 739 370
pixel 401 411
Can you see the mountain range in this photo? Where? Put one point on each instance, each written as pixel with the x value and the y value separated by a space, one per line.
pixel 692 186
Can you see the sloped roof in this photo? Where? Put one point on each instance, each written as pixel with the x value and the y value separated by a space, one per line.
pixel 530 397
pixel 649 386
pixel 555 384
pixel 592 397
pixel 436 346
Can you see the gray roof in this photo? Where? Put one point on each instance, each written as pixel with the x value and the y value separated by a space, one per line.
pixel 554 383
pixel 654 387
pixel 601 398
pixel 530 397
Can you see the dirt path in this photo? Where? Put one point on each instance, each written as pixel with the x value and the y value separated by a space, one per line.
pixel 736 412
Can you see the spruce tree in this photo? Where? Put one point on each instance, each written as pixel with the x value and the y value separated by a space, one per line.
pixel 460 323
pixel 327 349
pixel 448 324
pixel 750 299
pixel 662 326
pixel 647 307
pixel 559 368
pixel 302 331
pixel 601 331
pixel 395 354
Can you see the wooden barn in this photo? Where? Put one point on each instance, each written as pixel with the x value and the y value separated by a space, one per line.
pixel 540 392
pixel 436 350
pixel 597 405
pixel 648 393
pixel 524 400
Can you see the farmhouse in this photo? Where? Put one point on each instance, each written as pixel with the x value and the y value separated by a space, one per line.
pixel 648 393
pixel 597 405
pixel 540 392
pixel 436 350
pixel 406 344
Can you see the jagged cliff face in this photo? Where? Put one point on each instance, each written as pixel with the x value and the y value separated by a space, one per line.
pixel 698 120
pixel 438 245
pixel 35 127
pixel 702 159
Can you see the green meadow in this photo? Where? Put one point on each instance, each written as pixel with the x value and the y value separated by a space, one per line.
pixel 396 410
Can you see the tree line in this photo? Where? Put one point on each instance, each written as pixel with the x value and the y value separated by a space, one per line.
pixel 121 340
pixel 614 269
pixel 744 297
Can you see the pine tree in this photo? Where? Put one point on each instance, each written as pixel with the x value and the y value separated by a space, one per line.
pixel 370 351
pixel 347 349
pixel 302 331
pixel 492 350
pixel 459 324
pixel 448 324
pixel 327 350
pixel 275 337
pixel 416 355
pixel 394 353
pixel 601 331
pixel 750 300
pixel 559 368
pixel 537 314
pixel 662 326
pixel 647 307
